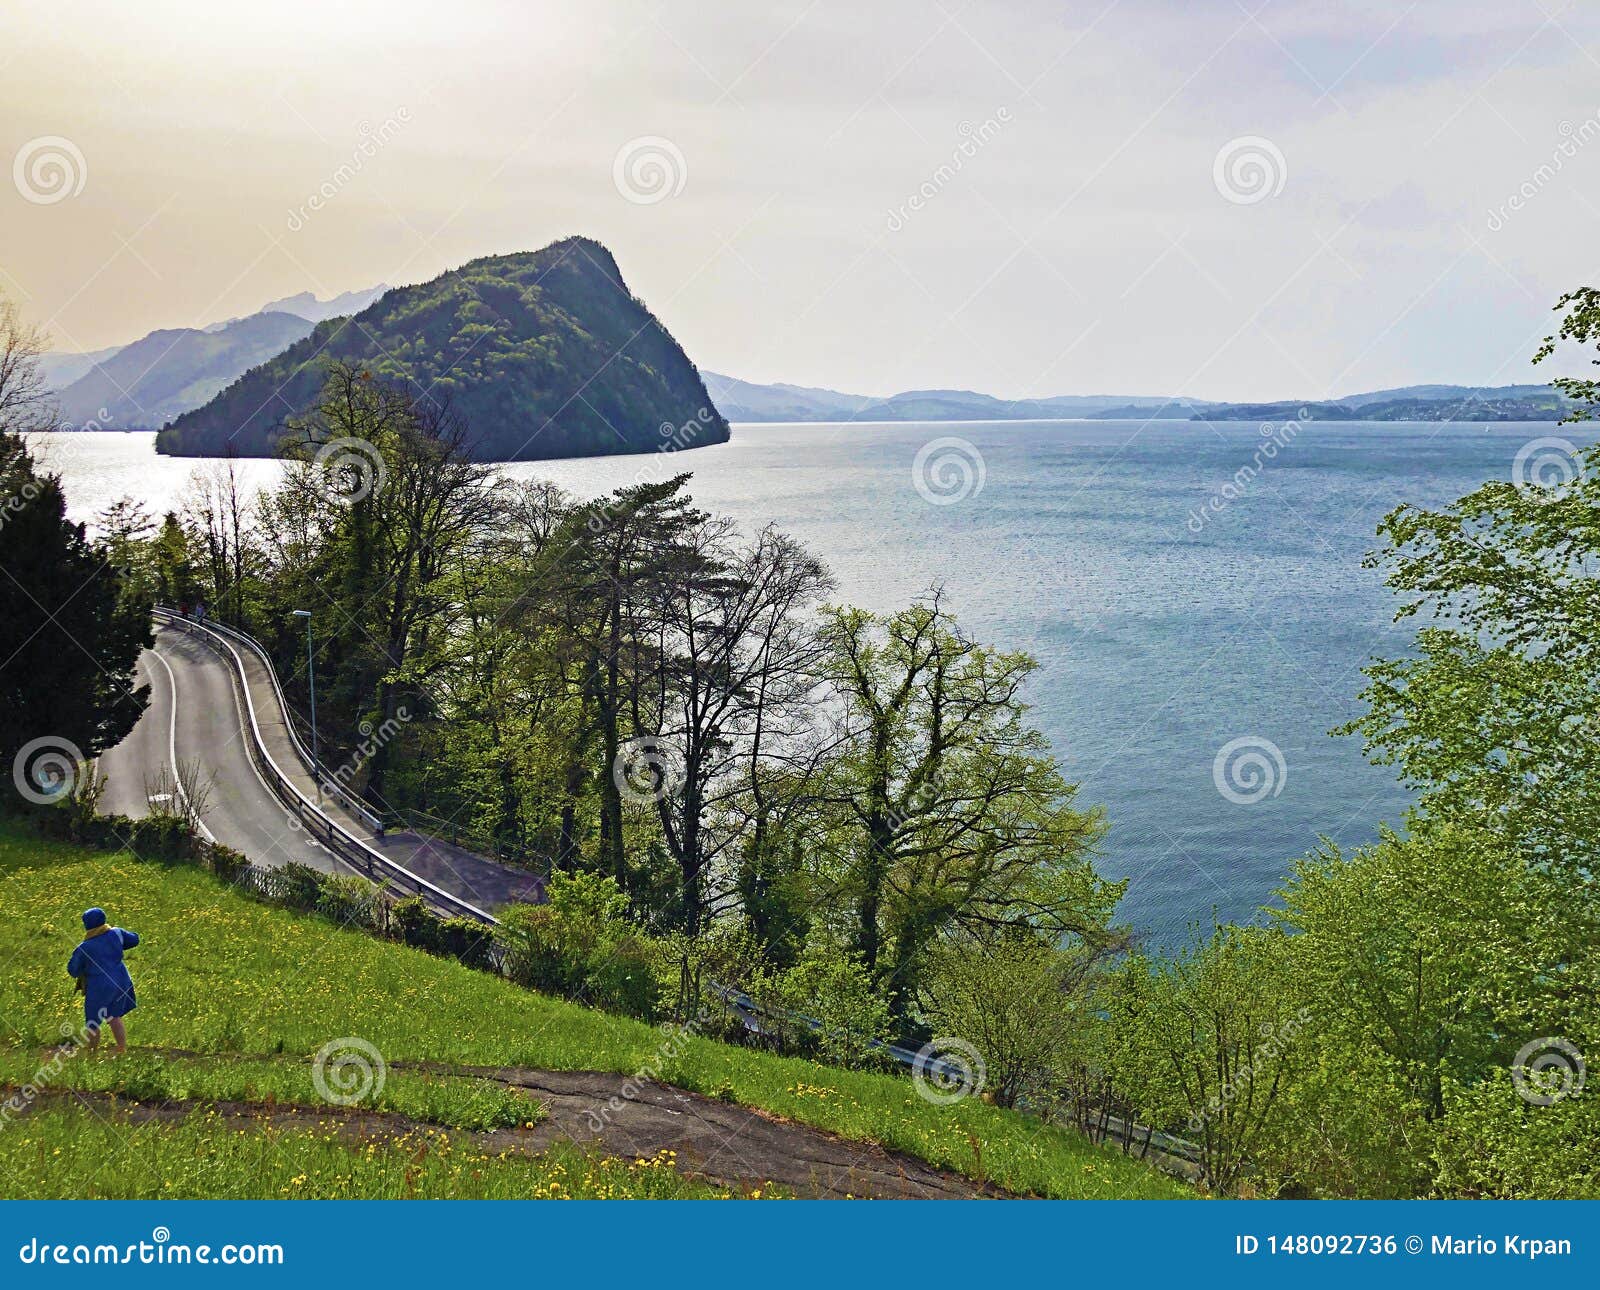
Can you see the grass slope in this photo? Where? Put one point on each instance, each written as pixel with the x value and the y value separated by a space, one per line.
pixel 219 974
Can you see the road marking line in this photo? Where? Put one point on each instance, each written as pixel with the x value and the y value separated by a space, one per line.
pixel 172 750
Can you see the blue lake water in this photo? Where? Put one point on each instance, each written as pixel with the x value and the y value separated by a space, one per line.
pixel 1165 630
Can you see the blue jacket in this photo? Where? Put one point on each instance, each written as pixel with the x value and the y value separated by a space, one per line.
pixel 108 989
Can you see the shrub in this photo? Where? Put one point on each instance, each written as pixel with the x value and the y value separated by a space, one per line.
pixel 350 901
pixel 468 940
pixel 299 886
pixel 225 862
pixel 417 925
pixel 581 946
pixel 832 987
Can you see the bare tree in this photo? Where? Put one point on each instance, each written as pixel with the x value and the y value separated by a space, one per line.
pixel 733 672
pixel 26 405
pixel 218 511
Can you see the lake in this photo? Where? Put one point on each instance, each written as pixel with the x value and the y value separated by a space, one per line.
pixel 1184 588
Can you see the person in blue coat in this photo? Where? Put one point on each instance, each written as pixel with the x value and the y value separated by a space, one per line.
pixel 103 977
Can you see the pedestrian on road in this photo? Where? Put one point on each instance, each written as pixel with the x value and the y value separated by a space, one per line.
pixel 103 977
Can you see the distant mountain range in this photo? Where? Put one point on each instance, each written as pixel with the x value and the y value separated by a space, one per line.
pixel 1411 403
pixel 506 354
pixel 743 401
pixel 160 376
pixel 307 306
pixel 748 402
pixel 542 354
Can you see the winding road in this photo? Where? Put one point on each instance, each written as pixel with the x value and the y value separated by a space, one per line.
pixel 204 689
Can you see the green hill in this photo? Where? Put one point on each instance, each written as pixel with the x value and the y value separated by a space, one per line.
pixel 543 353
pixel 236 996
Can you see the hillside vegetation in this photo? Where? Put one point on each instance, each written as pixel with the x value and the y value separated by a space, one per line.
pixel 237 997
pixel 542 354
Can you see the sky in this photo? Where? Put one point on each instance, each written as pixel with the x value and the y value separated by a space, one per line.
pixel 1227 200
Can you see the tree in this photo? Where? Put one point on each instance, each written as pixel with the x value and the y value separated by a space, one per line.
pixel 1213 1038
pixel 69 632
pixel 25 402
pixel 732 665
pixel 378 503
pixel 1494 716
pixel 177 584
pixel 599 573
pixel 219 514
pixel 1020 1001
pixel 1426 962
pixel 949 812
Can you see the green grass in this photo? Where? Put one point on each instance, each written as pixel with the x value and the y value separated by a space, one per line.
pixel 218 973
pixel 452 1101
pixel 70 1152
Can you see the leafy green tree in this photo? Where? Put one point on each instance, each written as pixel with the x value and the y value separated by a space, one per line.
pixel 1494 716
pixel 125 531
pixel 948 811
pixel 601 574
pixel 377 506
pixel 1426 962
pixel 70 631
pixel 1020 1001
pixel 1212 1039
pixel 828 985
pixel 177 583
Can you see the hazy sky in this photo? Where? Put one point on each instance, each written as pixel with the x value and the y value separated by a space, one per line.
pixel 1229 200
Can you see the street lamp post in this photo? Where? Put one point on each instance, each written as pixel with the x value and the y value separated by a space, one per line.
pixel 311 676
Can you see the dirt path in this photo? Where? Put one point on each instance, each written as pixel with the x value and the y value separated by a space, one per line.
pixel 722 1142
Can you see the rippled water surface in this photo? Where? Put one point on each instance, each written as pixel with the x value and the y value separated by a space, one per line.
pixel 1166 627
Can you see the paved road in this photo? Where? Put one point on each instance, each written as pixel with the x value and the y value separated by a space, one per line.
pixel 197 722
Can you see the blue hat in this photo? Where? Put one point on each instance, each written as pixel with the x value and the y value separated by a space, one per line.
pixel 93 918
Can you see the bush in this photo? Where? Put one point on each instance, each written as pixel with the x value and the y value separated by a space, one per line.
pixel 468 940
pixel 833 988
pixel 349 901
pixel 1496 1145
pixel 417 925
pixel 581 946
pixel 225 862
pixel 1015 998
pixel 299 886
